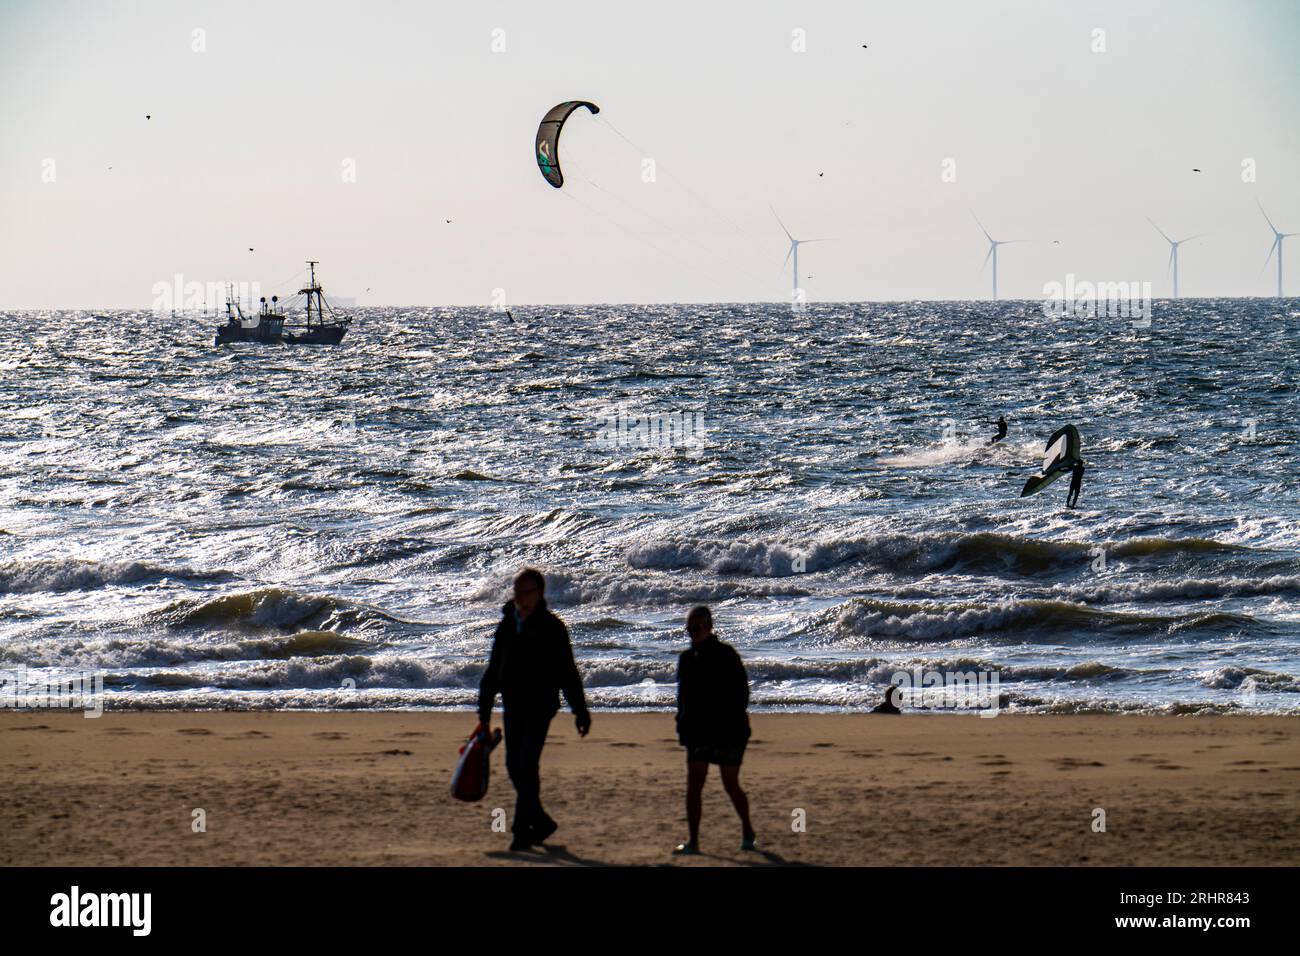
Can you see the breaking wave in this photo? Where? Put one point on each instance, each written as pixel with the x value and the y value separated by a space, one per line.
pixel 71 574
pixel 983 552
pixel 873 619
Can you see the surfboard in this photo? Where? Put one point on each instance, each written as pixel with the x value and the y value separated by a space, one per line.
pixel 1061 454
pixel 470 781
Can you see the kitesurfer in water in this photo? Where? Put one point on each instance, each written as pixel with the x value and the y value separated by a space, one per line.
pixel 1001 423
pixel 712 723
pixel 887 706
pixel 1076 485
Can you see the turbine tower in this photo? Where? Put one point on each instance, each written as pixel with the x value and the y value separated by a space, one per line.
pixel 794 252
pixel 1277 244
pixel 993 251
pixel 1173 251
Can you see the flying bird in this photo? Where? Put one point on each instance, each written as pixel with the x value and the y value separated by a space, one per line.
pixel 147 116
pixel 1196 170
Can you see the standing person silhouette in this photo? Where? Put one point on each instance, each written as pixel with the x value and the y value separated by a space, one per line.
pixel 531 664
pixel 1076 485
pixel 1001 423
pixel 712 723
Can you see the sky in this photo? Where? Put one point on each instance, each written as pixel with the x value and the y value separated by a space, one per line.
pixel 350 132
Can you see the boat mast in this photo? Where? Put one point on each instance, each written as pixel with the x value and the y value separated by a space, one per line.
pixel 313 290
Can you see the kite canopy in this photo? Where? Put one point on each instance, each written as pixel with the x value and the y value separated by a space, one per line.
pixel 548 139
pixel 1061 454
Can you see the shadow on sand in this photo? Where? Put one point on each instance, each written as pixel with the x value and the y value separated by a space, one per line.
pixel 553 855
pixel 757 858
pixel 560 856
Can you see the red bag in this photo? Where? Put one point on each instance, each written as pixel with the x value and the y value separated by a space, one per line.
pixel 470 781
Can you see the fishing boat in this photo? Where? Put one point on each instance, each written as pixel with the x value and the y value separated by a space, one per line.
pixel 323 325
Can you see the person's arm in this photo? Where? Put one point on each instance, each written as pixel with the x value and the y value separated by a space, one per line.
pixel 681 718
pixel 490 683
pixel 739 682
pixel 571 680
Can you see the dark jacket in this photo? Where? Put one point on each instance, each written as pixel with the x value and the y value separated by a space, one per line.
pixel 530 668
pixel 712 694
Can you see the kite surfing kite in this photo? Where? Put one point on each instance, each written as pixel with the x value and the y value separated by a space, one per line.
pixel 548 139
pixel 1060 456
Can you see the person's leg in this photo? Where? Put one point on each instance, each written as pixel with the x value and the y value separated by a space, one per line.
pixel 696 773
pixel 525 735
pixel 731 781
pixel 542 821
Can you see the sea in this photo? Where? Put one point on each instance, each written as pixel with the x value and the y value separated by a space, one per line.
pixel 311 527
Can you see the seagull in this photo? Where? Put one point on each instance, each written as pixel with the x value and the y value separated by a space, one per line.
pixel 147 116
pixel 821 174
pixel 446 220
pixel 1196 170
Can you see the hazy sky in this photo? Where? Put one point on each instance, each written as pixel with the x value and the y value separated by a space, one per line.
pixel 248 143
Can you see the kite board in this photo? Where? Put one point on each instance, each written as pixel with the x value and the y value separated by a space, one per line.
pixel 1061 455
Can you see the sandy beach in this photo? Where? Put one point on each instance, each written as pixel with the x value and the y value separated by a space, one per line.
pixel 372 788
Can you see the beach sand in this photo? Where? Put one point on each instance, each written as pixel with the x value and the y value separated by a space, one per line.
pixel 372 788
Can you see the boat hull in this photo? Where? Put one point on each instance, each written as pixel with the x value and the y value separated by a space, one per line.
pixel 318 335
pixel 237 333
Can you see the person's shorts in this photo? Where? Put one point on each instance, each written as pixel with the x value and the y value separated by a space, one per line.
pixel 722 756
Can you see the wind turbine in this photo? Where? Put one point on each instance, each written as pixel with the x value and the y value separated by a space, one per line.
pixel 1173 251
pixel 794 251
pixel 993 251
pixel 1277 244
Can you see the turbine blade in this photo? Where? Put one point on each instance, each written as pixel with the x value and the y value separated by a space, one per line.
pixel 1158 229
pixel 987 256
pixel 1266 219
pixel 823 239
pixel 788 254
pixel 1199 235
pixel 783 229
pixel 981 225
pixel 1169 266
pixel 1276 242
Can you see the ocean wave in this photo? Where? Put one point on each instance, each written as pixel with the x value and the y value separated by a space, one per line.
pixel 72 574
pixel 152 651
pixel 1183 590
pixel 564 588
pixel 314 673
pixel 873 619
pixel 1231 678
pixel 270 608
pixel 981 552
